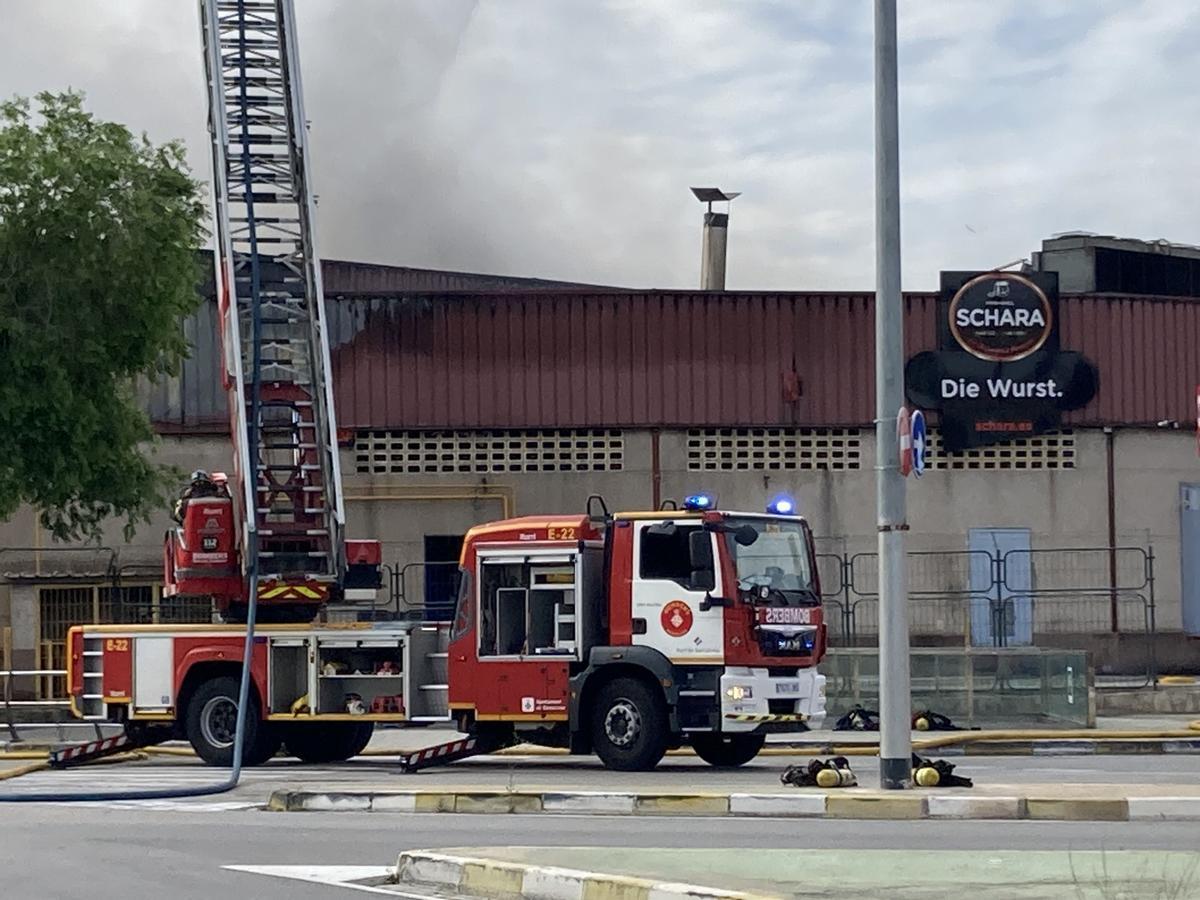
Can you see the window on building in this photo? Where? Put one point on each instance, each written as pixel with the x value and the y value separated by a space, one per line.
pixel 441 574
pixel 665 555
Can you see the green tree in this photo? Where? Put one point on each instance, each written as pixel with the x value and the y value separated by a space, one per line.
pixel 98 238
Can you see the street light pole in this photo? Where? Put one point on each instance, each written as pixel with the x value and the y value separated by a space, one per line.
pixel 895 701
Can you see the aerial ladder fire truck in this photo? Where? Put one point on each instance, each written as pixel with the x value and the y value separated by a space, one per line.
pixel 621 634
pixel 279 530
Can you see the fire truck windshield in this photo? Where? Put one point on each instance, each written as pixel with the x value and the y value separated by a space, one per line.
pixel 774 567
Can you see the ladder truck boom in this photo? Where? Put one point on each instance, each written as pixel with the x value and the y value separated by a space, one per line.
pixel 286 518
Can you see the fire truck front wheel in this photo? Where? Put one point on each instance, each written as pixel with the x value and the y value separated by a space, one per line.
pixel 211 720
pixel 727 751
pixel 629 725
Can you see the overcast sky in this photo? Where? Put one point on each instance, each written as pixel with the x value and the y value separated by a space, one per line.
pixel 558 138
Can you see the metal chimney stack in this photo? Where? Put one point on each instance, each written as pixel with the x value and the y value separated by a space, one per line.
pixel 716 238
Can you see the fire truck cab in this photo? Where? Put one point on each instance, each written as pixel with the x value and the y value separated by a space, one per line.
pixel 632 634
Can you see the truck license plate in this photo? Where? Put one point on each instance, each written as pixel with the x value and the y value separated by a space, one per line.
pixel 786 615
pixel 787 687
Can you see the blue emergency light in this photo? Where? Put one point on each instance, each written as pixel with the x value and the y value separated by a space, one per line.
pixel 781 506
pixel 699 502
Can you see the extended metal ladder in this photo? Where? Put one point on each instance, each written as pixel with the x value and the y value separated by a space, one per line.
pixel 276 354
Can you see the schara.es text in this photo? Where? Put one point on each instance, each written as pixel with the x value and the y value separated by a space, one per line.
pixel 999 389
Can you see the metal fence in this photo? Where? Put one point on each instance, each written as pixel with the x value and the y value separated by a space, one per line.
pixel 1057 597
pixel 63 605
pixel 1047 597
pixel 422 590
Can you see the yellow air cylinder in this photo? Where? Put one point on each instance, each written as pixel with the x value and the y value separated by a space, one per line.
pixel 927 776
pixel 828 778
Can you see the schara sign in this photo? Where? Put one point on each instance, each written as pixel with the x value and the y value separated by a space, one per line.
pixel 998 372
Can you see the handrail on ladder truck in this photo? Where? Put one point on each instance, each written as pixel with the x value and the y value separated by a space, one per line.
pixel 288 62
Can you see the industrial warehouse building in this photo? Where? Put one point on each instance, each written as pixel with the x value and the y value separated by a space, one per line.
pixel 465 398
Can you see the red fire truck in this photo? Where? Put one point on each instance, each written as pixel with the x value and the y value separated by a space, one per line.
pixel 622 635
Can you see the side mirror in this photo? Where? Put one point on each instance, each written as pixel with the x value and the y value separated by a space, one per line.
pixel 597 510
pixel 745 535
pixel 702 580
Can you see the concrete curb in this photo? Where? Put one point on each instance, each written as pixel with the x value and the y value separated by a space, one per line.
pixel 916 804
pixel 492 878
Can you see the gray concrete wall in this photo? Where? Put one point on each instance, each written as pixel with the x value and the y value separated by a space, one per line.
pixel 401 509
pixel 22 530
pixel 1076 267
pixel 1150 466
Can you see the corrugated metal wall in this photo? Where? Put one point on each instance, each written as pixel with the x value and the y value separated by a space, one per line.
pixel 1146 349
pixel 608 359
pixel 571 358
pixel 194 402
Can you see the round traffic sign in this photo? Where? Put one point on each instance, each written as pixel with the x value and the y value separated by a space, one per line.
pixel 904 439
pixel 918 437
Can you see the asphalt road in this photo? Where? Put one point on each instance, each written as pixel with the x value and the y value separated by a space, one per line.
pixel 58 853
pixel 179 848
pixel 675 773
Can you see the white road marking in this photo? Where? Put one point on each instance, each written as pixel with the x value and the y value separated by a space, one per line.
pixel 334 876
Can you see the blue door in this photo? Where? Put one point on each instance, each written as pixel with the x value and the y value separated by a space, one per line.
pixel 441 575
pixel 1189 555
pixel 1001 613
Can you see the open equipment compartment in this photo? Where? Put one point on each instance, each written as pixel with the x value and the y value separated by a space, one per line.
pixel 530 604
pixel 361 674
pixel 427 680
pixel 290 664
pixel 552 604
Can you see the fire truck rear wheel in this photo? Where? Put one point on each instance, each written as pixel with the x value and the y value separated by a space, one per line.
pixel 328 743
pixel 727 751
pixel 210 720
pixel 629 725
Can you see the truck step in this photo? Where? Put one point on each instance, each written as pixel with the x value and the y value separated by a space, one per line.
pixel 453 751
pixel 93 750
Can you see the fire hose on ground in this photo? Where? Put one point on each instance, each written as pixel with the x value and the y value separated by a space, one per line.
pixel 222 787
